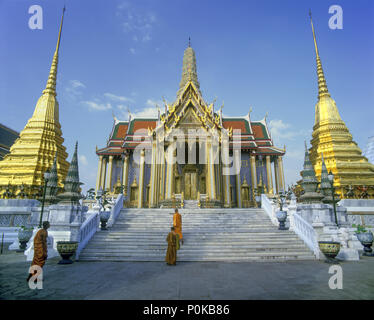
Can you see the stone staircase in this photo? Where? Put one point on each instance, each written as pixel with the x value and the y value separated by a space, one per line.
pixel 190 204
pixel 209 235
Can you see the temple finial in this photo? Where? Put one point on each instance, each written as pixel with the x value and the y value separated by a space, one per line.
pixel 189 42
pixel 322 86
pixel 51 83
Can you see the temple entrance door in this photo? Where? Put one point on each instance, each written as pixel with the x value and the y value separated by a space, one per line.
pixel 190 185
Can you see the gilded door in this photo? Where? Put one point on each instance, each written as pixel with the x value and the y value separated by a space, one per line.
pixel 190 185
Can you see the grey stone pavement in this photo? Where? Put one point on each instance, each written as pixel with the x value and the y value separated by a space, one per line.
pixel 186 281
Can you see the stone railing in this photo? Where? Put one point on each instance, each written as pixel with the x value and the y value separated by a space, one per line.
pixel 87 231
pixel 270 208
pixel 305 232
pixel 116 209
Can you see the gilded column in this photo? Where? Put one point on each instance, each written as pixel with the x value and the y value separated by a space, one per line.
pixel 103 176
pixel 162 175
pixel 109 174
pixel 141 179
pixel 269 175
pixel 153 190
pixel 226 171
pixel 98 177
pixel 125 173
pixel 276 175
pixel 238 179
pixel 253 171
pixel 170 172
pixel 281 173
pixel 211 172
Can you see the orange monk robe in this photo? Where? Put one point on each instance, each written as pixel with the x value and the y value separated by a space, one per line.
pixel 177 224
pixel 40 248
pixel 171 253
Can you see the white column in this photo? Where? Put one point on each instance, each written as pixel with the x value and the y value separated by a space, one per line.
pixel 141 179
pixel 98 177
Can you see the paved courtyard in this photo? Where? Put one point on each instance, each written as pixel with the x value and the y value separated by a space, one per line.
pixel 187 280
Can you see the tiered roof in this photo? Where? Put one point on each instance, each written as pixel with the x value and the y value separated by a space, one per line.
pixel 189 109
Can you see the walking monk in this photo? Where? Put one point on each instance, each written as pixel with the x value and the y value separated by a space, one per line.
pixel 40 247
pixel 177 223
pixel 171 253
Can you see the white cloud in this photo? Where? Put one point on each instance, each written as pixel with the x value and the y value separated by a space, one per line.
pixel 77 84
pixel 132 50
pixel 135 22
pixel 152 103
pixel 97 106
pixel 73 89
pixel 83 160
pixel 146 113
pixel 114 97
pixel 283 131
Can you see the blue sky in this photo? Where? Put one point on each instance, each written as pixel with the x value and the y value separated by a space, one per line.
pixel 116 55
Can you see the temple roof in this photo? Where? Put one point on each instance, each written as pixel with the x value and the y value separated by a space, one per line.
pixel 190 111
pixel 128 134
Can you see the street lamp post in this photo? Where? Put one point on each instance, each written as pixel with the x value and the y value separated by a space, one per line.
pixel 46 178
pixel 331 179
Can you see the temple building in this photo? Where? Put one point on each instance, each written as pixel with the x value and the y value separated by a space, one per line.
pixel 190 153
pixel 332 139
pixel 7 138
pixel 39 142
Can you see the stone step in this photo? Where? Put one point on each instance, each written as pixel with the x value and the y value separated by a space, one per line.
pixel 202 257
pixel 208 249
pixel 209 235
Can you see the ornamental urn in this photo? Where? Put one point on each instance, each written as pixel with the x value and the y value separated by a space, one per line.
pixel 66 249
pixel 104 217
pixel 366 239
pixel 282 217
pixel 330 249
pixel 24 235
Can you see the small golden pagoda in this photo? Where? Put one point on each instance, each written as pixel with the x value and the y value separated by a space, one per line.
pixel 332 138
pixel 34 151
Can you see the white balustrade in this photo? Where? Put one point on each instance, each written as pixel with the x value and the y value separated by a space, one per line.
pixel 116 209
pixel 270 208
pixel 87 231
pixel 306 232
pixel 301 227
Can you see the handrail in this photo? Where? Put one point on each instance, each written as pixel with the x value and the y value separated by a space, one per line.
pixel 269 208
pixel 306 232
pixel 86 232
pixel 116 210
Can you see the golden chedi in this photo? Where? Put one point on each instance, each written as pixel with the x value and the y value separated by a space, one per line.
pixel 34 151
pixel 332 138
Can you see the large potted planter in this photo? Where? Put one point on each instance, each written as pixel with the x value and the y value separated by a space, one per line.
pixel 366 239
pixel 104 217
pixel 330 249
pixel 24 235
pixel 66 249
pixel 282 217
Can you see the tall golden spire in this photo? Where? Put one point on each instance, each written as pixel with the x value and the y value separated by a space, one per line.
pixel 341 155
pixel 51 83
pixel 322 86
pixel 189 70
pixel 40 141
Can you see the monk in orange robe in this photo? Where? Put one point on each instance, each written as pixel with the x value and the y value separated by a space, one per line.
pixel 40 247
pixel 171 253
pixel 177 224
